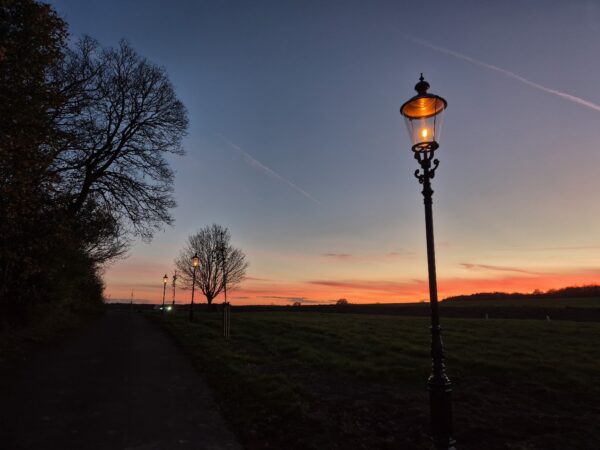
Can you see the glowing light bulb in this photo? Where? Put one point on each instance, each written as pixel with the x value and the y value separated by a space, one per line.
pixel 424 133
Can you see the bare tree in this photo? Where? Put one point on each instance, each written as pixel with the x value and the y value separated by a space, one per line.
pixel 220 262
pixel 121 119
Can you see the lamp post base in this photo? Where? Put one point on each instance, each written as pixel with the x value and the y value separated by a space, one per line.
pixel 226 320
pixel 440 400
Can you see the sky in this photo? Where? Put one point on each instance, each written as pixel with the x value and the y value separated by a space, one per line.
pixel 296 143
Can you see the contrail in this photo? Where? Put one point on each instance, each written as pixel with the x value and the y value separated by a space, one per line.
pixel 256 164
pixel 508 73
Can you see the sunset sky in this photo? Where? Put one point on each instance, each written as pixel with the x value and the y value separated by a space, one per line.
pixel 297 146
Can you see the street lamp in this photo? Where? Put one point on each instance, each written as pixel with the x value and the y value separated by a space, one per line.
pixel 174 284
pixel 195 264
pixel 423 114
pixel 165 279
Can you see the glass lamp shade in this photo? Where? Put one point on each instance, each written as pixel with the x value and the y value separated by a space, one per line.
pixel 423 116
pixel 195 261
pixel 165 279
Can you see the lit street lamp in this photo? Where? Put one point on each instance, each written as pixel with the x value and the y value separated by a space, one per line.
pixel 165 279
pixel 195 263
pixel 423 114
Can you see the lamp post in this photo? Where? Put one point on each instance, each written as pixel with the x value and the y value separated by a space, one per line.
pixel 226 307
pixel 174 284
pixel 165 279
pixel 423 114
pixel 223 268
pixel 195 263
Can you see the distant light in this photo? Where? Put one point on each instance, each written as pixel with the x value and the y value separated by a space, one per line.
pixel 169 308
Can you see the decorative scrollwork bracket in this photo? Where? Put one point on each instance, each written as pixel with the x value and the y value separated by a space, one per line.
pixel 428 165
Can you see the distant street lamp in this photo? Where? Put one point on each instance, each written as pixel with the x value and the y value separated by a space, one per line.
pixel 165 279
pixel 423 114
pixel 195 263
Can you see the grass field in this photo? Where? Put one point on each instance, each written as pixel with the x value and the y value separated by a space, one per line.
pixel 346 381
pixel 557 308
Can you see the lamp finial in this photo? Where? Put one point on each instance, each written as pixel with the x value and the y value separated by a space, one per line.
pixel 422 86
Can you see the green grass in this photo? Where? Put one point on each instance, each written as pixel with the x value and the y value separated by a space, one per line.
pixel 329 381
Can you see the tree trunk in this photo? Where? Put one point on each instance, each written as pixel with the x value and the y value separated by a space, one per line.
pixel 211 307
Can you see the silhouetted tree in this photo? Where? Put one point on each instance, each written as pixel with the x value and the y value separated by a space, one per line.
pixel 567 292
pixel 212 244
pixel 32 44
pixel 121 120
pixel 83 137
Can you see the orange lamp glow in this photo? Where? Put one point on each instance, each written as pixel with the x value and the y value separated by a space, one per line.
pixel 423 116
pixel 195 260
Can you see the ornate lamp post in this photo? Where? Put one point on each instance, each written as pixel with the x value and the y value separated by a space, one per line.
pixel 423 114
pixel 165 279
pixel 195 263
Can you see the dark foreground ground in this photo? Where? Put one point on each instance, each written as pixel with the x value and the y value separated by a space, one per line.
pixel 121 384
pixel 571 309
pixel 319 381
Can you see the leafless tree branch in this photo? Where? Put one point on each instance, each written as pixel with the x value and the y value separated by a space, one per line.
pixel 217 258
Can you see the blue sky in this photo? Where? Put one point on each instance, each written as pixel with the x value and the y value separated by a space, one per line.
pixel 311 90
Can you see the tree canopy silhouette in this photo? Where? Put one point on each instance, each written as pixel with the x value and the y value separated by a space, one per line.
pixel 32 45
pixel 219 261
pixel 122 119
pixel 84 136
